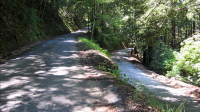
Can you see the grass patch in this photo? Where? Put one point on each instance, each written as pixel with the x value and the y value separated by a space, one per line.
pixel 95 46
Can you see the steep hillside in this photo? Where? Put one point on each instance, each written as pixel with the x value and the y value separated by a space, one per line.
pixel 24 22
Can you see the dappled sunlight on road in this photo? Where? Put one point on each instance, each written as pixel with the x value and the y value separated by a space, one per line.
pixel 50 78
pixel 29 82
pixel 14 81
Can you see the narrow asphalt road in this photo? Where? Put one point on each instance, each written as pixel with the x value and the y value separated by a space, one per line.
pixel 164 92
pixel 49 78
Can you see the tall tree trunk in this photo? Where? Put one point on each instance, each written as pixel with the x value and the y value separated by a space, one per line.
pixel 89 21
pixel 193 27
pixel 144 58
pixel 94 20
pixel 102 18
pixel 186 33
pixel 173 32
pixel 165 36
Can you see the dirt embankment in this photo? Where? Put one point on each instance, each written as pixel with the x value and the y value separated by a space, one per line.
pixel 131 103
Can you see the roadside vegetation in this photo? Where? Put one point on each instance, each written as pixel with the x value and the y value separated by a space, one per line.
pixel 185 64
pixel 156 29
pixel 95 46
pixel 138 94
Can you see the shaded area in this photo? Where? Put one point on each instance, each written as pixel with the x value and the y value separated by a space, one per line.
pixel 172 95
pixel 28 21
pixel 50 78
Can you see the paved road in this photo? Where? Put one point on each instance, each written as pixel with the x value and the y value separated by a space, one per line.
pixel 174 96
pixel 48 78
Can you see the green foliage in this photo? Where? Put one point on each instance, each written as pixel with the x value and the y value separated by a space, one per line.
pixel 115 72
pixel 109 41
pixel 27 21
pixel 93 45
pixel 162 58
pixel 187 64
pixel 21 25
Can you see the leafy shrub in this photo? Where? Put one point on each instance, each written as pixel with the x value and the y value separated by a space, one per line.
pixel 162 58
pixel 187 64
pixel 110 42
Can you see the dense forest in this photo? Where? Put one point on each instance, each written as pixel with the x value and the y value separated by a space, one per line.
pixel 165 34
pixel 27 21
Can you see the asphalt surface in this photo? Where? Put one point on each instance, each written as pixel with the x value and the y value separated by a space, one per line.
pixel 49 78
pixel 173 96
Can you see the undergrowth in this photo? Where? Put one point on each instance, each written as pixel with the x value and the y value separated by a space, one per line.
pixel 95 46
pixel 186 62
